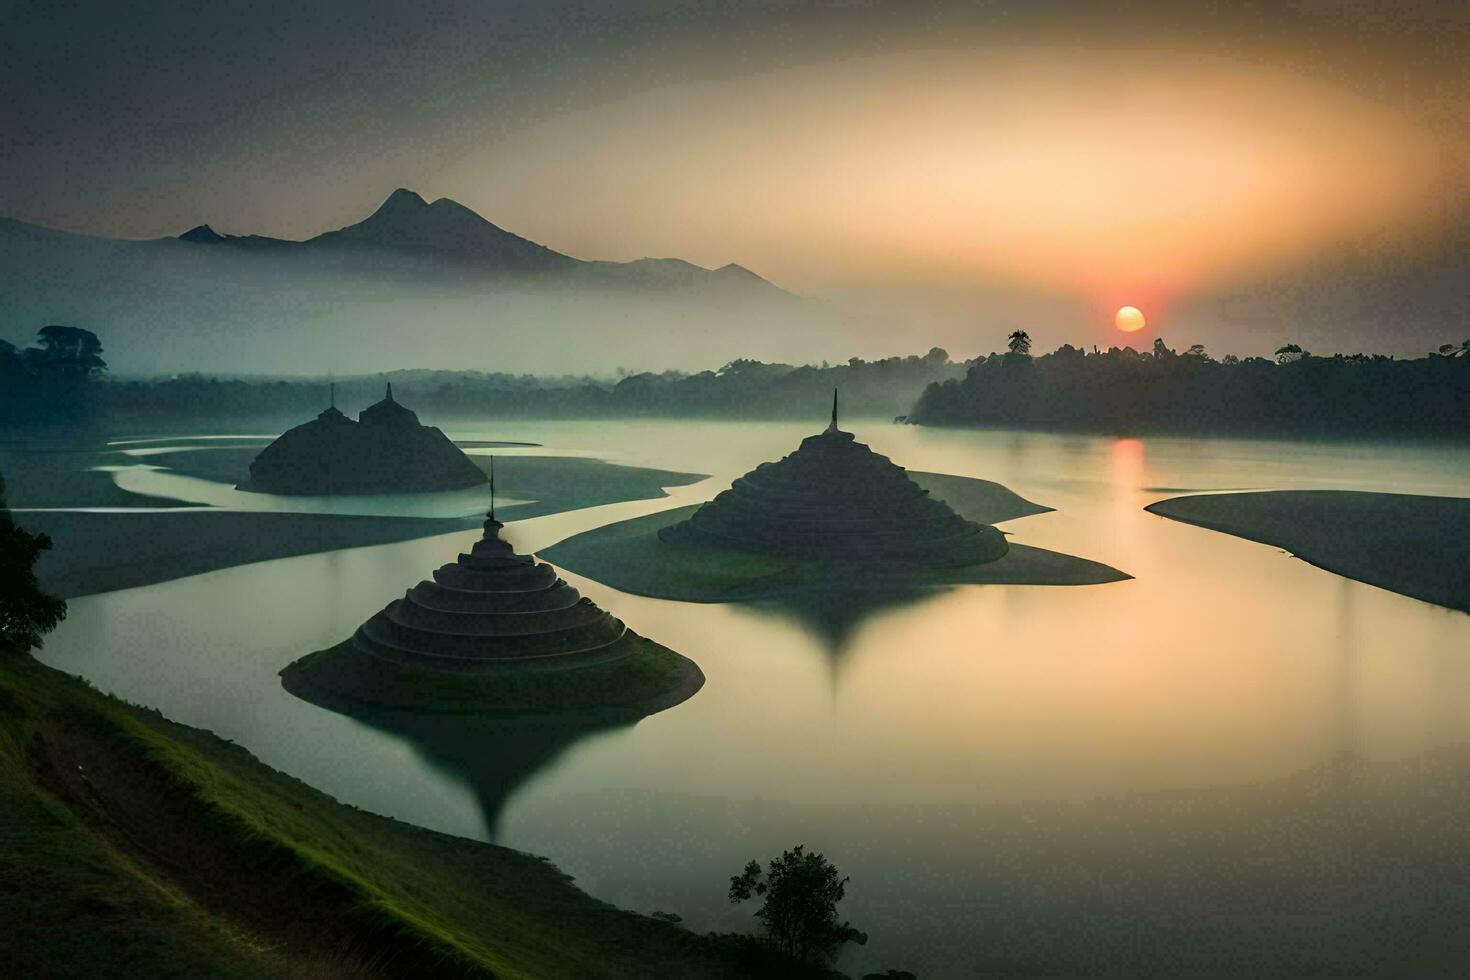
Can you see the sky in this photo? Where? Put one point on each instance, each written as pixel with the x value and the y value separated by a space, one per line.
pixel 947 167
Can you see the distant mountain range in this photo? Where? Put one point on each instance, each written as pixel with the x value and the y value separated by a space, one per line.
pixel 475 294
pixel 448 231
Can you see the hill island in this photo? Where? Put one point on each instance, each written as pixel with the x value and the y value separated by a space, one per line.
pixel 492 667
pixel 496 634
pixel 387 450
pixel 833 516
pixel 836 499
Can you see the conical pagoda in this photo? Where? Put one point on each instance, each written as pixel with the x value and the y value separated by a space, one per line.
pixel 496 632
pixel 490 609
pixel 834 499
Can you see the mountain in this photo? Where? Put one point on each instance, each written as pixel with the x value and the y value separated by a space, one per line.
pixel 447 232
pixel 414 284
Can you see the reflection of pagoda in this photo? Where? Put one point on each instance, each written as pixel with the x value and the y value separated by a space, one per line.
pixel 386 450
pixel 493 667
pixel 835 499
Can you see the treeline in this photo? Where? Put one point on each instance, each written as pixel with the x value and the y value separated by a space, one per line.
pixel 61 380
pixel 742 389
pixel 1162 390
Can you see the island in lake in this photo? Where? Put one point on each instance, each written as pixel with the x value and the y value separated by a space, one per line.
pixel 836 499
pixel 387 450
pixel 493 667
pixel 496 633
pixel 831 518
pixel 1415 545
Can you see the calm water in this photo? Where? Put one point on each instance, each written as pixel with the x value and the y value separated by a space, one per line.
pixel 917 747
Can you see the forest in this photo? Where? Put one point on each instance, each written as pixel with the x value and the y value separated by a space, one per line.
pixel 62 380
pixel 1164 390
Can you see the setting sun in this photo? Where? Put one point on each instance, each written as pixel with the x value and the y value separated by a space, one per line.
pixel 1130 319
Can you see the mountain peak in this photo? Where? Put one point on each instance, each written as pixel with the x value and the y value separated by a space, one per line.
pixel 401 201
pixel 202 235
pixel 737 272
pixel 406 223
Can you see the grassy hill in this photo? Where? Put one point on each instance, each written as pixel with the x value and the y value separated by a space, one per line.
pixel 130 845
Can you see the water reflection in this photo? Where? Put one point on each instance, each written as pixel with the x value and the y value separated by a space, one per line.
pixel 492 758
pixel 834 617
pixel 1147 762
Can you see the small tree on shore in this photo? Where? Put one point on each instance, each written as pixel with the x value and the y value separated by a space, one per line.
pixel 799 914
pixel 26 610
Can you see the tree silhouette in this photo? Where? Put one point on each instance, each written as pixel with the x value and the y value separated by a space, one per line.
pixel 799 914
pixel 1019 343
pixel 1122 389
pixel 26 611
pixel 1288 353
pixel 68 352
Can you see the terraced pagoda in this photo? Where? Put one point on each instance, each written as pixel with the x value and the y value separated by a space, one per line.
pixel 496 633
pixel 834 499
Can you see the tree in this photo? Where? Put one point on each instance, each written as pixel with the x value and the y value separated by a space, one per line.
pixel 799 914
pixel 69 352
pixel 1019 343
pixel 1197 350
pixel 26 611
pixel 1288 353
pixel 1456 350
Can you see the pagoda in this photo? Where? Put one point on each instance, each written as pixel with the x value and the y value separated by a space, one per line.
pixel 490 609
pixel 834 499
pixel 498 632
pixel 387 450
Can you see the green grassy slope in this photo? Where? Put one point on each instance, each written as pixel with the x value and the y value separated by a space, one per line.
pixel 135 846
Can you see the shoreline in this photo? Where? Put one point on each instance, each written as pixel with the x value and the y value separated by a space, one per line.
pixel 298 679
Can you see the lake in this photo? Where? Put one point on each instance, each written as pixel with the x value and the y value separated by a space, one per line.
pixel 1010 775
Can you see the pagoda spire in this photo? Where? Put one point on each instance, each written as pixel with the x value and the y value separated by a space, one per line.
pixel 332 395
pixel 833 426
pixel 389 396
pixel 492 487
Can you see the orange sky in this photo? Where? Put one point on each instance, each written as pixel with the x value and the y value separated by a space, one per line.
pixel 1118 176
pixel 941 171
